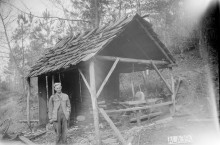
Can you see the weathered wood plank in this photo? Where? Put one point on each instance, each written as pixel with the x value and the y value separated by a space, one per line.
pixel 158 72
pixel 140 108
pixel 53 84
pixel 85 81
pixel 25 121
pixel 145 79
pixel 107 77
pixel 47 90
pixel 94 100
pixel 43 116
pixel 26 140
pixel 146 116
pixel 173 106
pixel 118 134
pixel 138 117
pixel 131 60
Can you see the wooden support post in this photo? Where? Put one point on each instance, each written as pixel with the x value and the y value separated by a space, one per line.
pixel 94 100
pixel 145 79
pixel 25 121
pixel 107 77
pixel 138 116
pixel 120 137
pixel 132 88
pixel 53 84
pixel 60 78
pixel 47 90
pixel 26 140
pixel 85 81
pixel 28 100
pixel 172 109
pixel 158 72
pixel 177 88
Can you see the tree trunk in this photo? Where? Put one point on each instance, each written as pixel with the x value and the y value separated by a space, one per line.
pixel 97 20
pixel 119 11
pixel 22 47
pixel 138 7
pixel 9 45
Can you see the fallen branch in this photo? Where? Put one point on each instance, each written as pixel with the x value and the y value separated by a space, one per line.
pixel 2 135
pixel 36 135
pixel 26 140
pixel 25 121
pixel 146 116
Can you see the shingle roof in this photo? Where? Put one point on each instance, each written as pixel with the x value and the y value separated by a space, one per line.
pixel 71 50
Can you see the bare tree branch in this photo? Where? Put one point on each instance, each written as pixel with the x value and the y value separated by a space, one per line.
pixel 7 15
pixel 9 45
pixel 51 17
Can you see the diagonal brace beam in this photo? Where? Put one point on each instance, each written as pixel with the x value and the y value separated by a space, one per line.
pixel 107 77
pixel 158 72
pixel 117 132
pixel 85 81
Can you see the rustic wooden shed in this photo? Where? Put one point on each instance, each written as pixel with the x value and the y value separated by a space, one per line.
pixel 88 65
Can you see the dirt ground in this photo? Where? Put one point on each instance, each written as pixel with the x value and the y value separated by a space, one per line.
pixel 198 125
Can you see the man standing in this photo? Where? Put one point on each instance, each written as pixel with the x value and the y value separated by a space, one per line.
pixel 59 112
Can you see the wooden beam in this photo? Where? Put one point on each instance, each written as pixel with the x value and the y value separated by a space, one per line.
pixel 107 77
pixel 117 132
pixel 53 84
pixel 85 81
pixel 146 116
pixel 145 79
pixel 25 121
pixel 28 100
pixel 131 60
pixel 26 140
pixel 94 100
pixel 153 39
pixel 138 117
pixel 132 88
pixel 139 108
pixel 158 72
pixel 60 78
pixel 173 96
pixel 47 91
pixel 177 87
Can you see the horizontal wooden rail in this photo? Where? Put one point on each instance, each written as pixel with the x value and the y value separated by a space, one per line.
pixel 139 108
pixel 25 121
pixel 131 60
pixel 146 116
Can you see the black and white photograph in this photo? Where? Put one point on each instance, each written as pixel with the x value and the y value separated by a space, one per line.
pixel 109 72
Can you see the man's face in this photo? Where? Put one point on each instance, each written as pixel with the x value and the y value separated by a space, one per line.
pixel 58 88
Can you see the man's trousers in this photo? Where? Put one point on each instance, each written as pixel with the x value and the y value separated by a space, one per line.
pixel 61 128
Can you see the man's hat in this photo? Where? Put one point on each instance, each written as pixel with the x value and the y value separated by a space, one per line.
pixel 57 84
